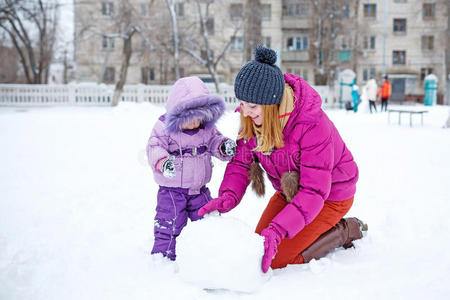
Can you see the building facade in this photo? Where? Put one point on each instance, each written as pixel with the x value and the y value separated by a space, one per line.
pixel 405 39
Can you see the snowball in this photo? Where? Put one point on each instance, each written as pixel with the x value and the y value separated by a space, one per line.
pixel 221 252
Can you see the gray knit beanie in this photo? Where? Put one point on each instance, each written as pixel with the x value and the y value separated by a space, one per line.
pixel 260 81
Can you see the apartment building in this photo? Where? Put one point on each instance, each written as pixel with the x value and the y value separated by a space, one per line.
pixel 405 39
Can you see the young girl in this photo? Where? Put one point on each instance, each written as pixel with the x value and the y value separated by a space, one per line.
pixel 179 151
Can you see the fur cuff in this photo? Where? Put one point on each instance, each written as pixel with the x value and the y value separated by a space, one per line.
pixel 290 184
pixel 255 173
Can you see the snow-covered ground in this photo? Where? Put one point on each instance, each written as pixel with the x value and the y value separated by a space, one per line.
pixel 77 202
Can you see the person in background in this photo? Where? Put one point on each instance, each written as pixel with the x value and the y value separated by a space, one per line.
pixel 285 131
pixel 179 152
pixel 385 93
pixel 371 89
pixel 355 96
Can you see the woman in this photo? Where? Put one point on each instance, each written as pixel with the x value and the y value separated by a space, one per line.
pixel 284 129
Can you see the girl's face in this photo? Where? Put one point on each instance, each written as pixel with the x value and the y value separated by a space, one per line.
pixel 191 125
pixel 254 111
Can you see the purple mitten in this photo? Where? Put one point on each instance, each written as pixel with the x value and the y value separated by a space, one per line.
pixel 272 238
pixel 222 204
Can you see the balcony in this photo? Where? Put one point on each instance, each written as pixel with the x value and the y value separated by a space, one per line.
pixel 302 55
pixel 295 23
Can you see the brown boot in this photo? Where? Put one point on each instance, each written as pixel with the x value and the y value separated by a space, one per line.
pixel 340 235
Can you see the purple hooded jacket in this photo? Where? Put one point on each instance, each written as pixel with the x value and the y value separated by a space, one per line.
pixel 312 147
pixel 189 99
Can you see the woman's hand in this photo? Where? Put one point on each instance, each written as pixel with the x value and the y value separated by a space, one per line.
pixel 222 204
pixel 272 238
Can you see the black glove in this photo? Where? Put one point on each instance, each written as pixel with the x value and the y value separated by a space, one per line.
pixel 228 148
pixel 168 168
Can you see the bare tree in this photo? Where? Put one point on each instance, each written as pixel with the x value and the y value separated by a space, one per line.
pixel 127 29
pixel 192 44
pixel 329 18
pixel 175 37
pixel 31 27
pixel 253 20
pixel 124 25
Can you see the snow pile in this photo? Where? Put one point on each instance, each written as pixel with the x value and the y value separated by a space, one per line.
pixel 78 200
pixel 221 252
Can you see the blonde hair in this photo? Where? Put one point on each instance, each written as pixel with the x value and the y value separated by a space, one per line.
pixel 269 135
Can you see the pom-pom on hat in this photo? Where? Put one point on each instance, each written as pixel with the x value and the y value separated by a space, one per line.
pixel 260 81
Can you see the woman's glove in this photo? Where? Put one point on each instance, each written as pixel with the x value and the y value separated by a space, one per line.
pixel 166 167
pixel 222 204
pixel 228 148
pixel 272 238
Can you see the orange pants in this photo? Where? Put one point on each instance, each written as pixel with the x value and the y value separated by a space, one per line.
pixel 289 250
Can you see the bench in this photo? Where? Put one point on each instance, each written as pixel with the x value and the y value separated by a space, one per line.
pixel 409 111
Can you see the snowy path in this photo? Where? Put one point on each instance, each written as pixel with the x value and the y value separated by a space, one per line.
pixel 77 206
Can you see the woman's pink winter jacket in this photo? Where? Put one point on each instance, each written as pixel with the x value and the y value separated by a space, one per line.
pixel 312 147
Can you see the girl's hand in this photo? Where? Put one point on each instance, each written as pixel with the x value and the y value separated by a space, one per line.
pixel 228 148
pixel 167 167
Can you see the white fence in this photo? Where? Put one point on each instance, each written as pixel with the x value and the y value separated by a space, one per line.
pixel 99 94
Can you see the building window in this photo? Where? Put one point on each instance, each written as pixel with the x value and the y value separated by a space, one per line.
pixel 107 43
pixel 369 42
pixel 174 75
pixel 427 42
pixel 107 9
pixel 266 41
pixel 179 9
pixel 424 72
pixel 346 41
pixel 398 57
pixel 370 10
pixel 369 73
pixel 400 25
pixel 301 72
pixel 237 43
pixel 346 11
pixel 296 8
pixel 147 75
pixel 297 43
pixel 266 12
pixel 345 55
pixel 109 75
pixel 429 10
pixel 145 9
pixel 210 26
pixel 236 11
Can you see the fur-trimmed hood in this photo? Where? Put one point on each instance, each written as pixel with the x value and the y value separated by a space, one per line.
pixel 189 99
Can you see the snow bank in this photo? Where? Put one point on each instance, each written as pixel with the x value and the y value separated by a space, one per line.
pixel 221 252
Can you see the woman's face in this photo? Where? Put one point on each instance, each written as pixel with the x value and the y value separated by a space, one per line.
pixel 254 111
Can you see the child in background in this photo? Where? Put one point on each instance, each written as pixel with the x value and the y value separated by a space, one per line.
pixel 179 151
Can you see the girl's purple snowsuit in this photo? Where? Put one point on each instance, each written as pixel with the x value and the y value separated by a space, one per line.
pixel 180 197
